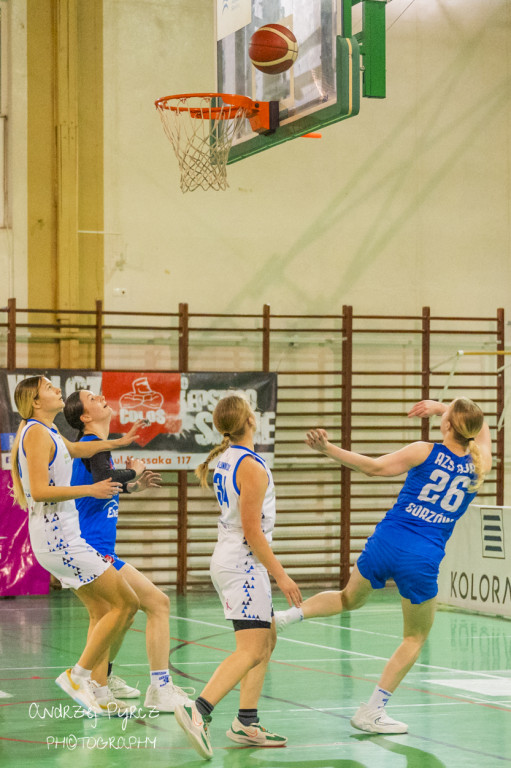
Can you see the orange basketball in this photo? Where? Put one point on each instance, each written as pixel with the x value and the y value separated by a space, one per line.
pixel 273 49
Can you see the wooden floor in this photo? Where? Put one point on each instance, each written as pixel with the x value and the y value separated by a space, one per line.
pixel 456 700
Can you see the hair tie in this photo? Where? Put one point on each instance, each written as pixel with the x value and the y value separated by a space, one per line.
pixel 226 434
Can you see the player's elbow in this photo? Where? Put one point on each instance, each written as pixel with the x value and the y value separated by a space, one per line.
pixel 38 495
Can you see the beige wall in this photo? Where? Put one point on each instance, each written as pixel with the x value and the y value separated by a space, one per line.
pixel 406 204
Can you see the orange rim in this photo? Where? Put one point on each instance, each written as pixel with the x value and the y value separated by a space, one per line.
pixel 233 100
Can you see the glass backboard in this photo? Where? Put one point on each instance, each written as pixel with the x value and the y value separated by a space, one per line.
pixel 322 86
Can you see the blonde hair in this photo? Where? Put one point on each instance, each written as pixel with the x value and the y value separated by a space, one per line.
pixel 230 419
pixel 466 419
pixel 24 395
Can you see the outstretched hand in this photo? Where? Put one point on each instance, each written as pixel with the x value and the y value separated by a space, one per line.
pixel 426 408
pixel 137 465
pixel 130 436
pixel 317 439
pixel 149 479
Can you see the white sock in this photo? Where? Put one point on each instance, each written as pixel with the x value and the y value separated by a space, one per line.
pixel 294 614
pixel 101 692
pixel 160 677
pixel 379 698
pixel 79 672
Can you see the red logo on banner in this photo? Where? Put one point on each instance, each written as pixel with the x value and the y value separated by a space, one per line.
pixel 154 397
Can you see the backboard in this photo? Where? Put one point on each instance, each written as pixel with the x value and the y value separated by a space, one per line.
pixel 323 86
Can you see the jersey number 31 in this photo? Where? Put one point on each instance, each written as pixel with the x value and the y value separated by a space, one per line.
pixel 220 489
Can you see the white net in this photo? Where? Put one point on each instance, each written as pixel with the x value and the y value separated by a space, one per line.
pixel 201 129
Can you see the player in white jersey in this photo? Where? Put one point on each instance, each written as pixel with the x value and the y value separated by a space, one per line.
pixel 240 565
pixel 41 463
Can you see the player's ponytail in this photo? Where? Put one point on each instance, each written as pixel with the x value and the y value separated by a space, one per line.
pixel 230 419
pixel 24 396
pixel 475 452
pixel 466 420
pixel 202 470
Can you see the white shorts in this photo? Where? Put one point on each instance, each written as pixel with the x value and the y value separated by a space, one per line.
pixel 74 564
pixel 244 596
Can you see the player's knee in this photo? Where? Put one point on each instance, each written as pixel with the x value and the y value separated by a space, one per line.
pixel 417 640
pixel 97 612
pixel 350 601
pixel 128 608
pixel 160 603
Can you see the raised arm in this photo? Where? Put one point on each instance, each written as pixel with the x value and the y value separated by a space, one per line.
pixel 388 465
pixel 426 408
pixel 40 450
pixel 253 482
pixel 84 450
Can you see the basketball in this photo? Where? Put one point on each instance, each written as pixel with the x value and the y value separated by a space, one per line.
pixel 273 49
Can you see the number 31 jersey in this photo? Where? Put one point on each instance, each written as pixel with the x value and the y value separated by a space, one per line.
pixel 434 496
pixel 232 551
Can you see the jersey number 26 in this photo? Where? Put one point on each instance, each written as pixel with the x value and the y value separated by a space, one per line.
pixel 454 495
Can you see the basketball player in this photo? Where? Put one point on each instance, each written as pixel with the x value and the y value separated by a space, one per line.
pixel 90 414
pixel 41 473
pixel 409 543
pixel 239 569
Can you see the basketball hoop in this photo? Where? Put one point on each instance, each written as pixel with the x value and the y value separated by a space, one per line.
pixel 201 128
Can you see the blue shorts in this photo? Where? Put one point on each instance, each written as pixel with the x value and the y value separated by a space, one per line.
pixel 114 560
pixel 416 576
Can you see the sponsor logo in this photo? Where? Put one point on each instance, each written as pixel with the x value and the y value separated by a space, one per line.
pixel 152 398
pixel 492 532
pixel 485 588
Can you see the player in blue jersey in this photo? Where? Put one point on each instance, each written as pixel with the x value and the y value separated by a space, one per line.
pixel 409 543
pixel 239 570
pixel 90 415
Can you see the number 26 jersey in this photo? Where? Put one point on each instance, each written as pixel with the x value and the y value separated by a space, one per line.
pixel 434 496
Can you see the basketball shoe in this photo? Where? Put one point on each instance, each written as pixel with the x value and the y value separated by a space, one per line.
pixel 166 698
pixel 196 728
pixel 81 691
pixel 376 721
pixel 254 734
pixel 121 689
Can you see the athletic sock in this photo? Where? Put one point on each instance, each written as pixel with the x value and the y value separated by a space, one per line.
pixel 204 707
pixel 110 665
pixel 378 698
pixel 80 673
pixel 294 614
pixel 248 716
pixel 160 677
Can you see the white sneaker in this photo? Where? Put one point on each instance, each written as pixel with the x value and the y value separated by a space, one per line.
pixel 110 706
pixel 82 691
pixel 254 734
pixel 196 728
pixel 376 721
pixel 166 698
pixel 121 689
